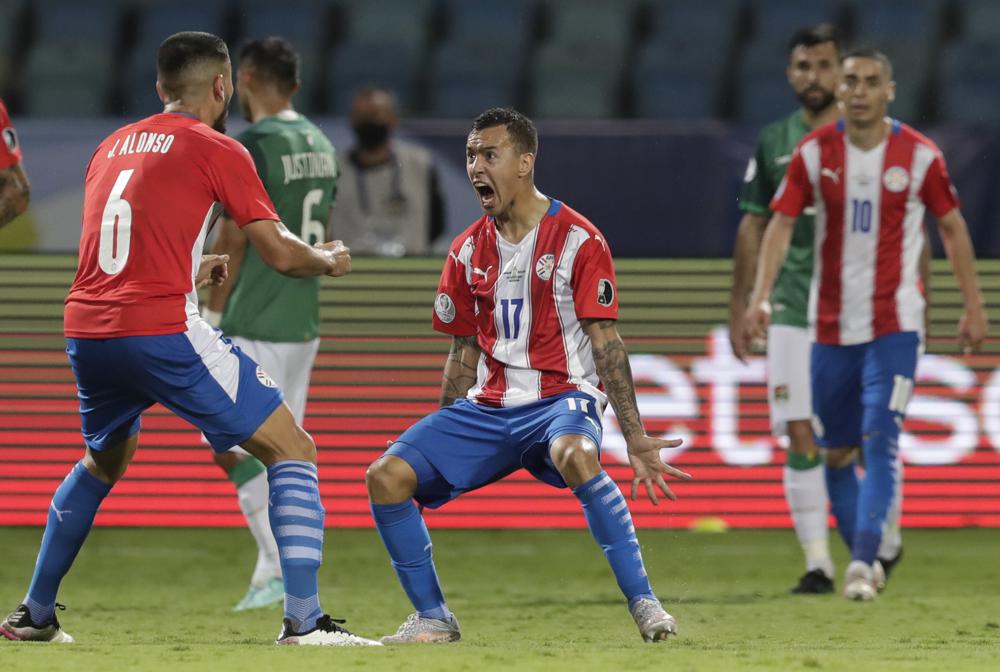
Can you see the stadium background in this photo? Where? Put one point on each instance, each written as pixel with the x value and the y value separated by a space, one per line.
pixel 647 111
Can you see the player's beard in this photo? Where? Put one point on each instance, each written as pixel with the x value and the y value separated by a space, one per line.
pixel 815 103
pixel 220 123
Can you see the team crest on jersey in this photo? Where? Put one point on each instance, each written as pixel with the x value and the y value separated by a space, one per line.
pixel 896 179
pixel 10 139
pixel 265 379
pixel 605 292
pixel 445 308
pixel 781 392
pixel 544 266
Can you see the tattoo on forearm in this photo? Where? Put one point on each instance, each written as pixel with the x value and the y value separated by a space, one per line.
pixel 459 371
pixel 613 367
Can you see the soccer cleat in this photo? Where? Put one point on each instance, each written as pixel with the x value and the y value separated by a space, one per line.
pixel 815 582
pixel 860 581
pixel 326 633
pixel 18 626
pixel 270 593
pixel 654 623
pixel 888 564
pixel 419 630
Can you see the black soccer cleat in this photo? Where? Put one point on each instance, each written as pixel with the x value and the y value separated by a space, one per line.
pixel 18 626
pixel 815 582
pixel 888 564
pixel 327 632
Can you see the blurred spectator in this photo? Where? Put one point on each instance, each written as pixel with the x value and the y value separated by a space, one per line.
pixel 388 200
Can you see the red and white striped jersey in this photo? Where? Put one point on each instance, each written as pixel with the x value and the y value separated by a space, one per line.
pixel 153 189
pixel 524 304
pixel 869 219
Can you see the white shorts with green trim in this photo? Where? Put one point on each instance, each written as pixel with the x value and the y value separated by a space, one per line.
pixel 789 395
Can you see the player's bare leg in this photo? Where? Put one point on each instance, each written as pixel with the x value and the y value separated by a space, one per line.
pixel 71 516
pixel 805 491
pixel 392 483
pixel 249 476
pixel 576 459
pixel 296 514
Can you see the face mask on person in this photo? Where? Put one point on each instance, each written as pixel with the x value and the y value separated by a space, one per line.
pixel 371 134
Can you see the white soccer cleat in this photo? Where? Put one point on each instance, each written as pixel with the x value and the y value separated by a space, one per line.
pixel 326 633
pixel 860 582
pixel 272 592
pixel 655 624
pixel 18 626
pixel 419 630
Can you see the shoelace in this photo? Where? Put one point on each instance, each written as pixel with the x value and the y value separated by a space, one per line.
pixel 326 623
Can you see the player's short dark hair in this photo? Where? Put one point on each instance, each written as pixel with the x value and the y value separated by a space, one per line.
pixel 274 60
pixel 811 36
pixel 521 129
pixel 872 53
pixel 182 51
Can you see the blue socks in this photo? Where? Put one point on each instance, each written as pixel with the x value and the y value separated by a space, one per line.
pixel 406 538
pixel 610 522
pixel 842 486
pixel 296 515
pixel 877 491
pixel 71 516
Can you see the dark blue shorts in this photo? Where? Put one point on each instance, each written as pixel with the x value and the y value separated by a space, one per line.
pixel 858 388
pixel 465 446
pixel 199 375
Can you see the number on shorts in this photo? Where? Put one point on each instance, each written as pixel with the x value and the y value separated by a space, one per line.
pixel 902 390
pixel 584 404
pixel 116 228
pixel 313 231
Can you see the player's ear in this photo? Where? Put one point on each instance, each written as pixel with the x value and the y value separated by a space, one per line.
pixel 161 93
pixel 892 91
pixel 219 87
pixel 526 164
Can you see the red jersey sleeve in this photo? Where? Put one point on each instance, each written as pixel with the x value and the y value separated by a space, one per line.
pixel 795 191
pixel 594 287
pixel 937 191
pixel 238 187
pixel 10 147
pixel 454 305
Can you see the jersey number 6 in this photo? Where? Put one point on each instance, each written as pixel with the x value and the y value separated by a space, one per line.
pixel 116 227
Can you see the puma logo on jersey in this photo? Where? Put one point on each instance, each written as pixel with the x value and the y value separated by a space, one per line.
pixel 835 176
pixel 478 271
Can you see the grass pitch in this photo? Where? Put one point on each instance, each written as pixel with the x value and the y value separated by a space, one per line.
pixel 159 599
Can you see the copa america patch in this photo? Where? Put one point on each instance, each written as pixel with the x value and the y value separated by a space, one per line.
pixel 896 179
pixel 544 266
pixel 10 139
pixel 265 379
pixel 444 307
pixel 605 292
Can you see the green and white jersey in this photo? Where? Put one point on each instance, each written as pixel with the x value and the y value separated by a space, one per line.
pixel 775 144
pixel 296 163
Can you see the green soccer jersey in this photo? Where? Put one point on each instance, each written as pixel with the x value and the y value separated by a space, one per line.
pixel 296 163
pixel 775 144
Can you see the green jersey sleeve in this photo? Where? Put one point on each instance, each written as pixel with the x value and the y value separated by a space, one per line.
pixel 757 187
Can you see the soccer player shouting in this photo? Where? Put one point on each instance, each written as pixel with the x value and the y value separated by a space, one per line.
pixel 871 179
pixel 134 336
pixel 528 295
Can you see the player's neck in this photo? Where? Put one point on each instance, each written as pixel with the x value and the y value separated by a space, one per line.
pixel 269 107
pixel 867 136
pixel 815 119
pixel 523 216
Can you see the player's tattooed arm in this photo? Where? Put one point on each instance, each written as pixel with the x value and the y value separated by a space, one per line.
pixel 15 193
pixel 614 370
pixel 460 369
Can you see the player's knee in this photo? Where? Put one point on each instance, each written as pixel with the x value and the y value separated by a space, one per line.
pixel 575 458
pixel 800 437
pixel 226 461
pixel 838 458
pixel 390 480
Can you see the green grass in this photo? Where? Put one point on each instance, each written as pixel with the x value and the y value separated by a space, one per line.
pixel 159 600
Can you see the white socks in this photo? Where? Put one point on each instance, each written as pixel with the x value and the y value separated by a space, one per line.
pixel 805 491
pixel 253 502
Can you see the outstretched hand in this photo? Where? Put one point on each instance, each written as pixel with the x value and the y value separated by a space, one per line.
pixel 644 456
pixel 214 270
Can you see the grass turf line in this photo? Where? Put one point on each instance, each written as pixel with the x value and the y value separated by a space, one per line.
pixel 159 599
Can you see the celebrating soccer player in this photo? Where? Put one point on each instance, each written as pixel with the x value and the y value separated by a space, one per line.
pixel 15 191
pixel 528 295
pixel 134 336
pixel 273 318
pixel 874 177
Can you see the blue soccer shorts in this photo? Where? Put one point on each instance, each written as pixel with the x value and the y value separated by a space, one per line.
pixel 858 388
pixel 198 374
pixel 467 445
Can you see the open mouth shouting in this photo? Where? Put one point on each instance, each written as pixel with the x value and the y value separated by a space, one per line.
pixel 487 196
